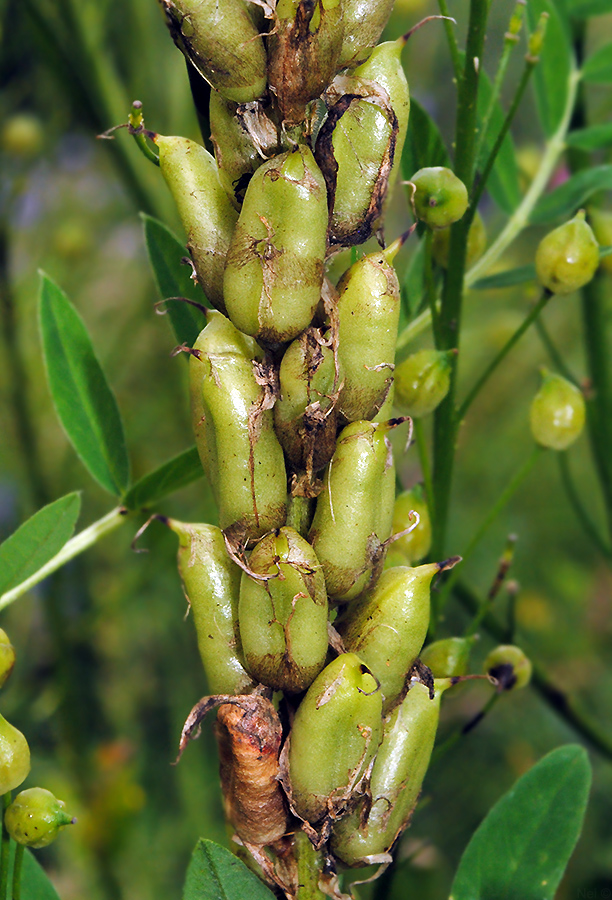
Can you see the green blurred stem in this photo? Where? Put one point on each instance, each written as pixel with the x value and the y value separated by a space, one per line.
pixel 76 545
pixel 17 867
pixel 566 706
pixel 452 41
pixel 310 864
pixel 581 513
pixel 453 739
pixel 520 331
pixel 419 434
pixel 553 351
pixel 6 846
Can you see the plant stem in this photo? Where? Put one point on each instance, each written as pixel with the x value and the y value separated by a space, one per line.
pixel 6 846
pixel 452 41
pixel 310 864
pixel 581 513
pixel 17 866
pixel 419 435
pixel 520 331
pixel 554 353
pixel 76 545
pixel 429 284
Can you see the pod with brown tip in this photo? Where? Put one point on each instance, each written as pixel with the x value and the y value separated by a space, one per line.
pixel 274 269
pixel 205 210
pixel 234 429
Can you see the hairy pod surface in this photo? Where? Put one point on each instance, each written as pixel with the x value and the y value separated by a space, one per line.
pixel 368 312
pixel 355 510
pixel 274 268
pixel 234 429
pixel 386 627
pixel 415 546
pixel 422 381
pixel 303 53
pixel 364 21
pixel 14 757
pixel 335 734
pixel 399 769
pixel 568 257
pixel 235 152
pixel 557 413
pixel 222 42
pixel 205 210
pixel 35 817
pixel 211 582
pixel 283 620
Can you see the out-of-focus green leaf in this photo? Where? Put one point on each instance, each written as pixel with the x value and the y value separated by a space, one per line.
pixel 598 67
pixel 508 278
pixel 552 73
pixel 503 182
pixel 35 883
pixel 216 874
pixel 584 9
pixel 594 138
pixel 424 145
pixel 83 399
pixel 173 279
pixel 173 475
pixel 568 197
pixel 412 286
pixel 38 540
pixel 524 844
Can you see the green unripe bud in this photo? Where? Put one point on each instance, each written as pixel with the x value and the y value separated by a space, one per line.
pixel 401 763
pixel 14 757
pixel 235 152
pixel 222 43
pixel 355 510
pixel 449 657
pixel 205 210
pixel 35 817
pixel 283 620
pixel 7 657
pixel 440 197
pixel 557 413
pixel 422 382
pixel 303 51
pixel 509 665
pixel 234 430
pixel 368 315
pixel 568 257
pixel 364 21
pixel 601 223
pixel 274 269
pixel 387 626
pixel 22 135
pixel 414 546
pixel 476 243
pixel 304 415
pixel 335 734
pixel 211 582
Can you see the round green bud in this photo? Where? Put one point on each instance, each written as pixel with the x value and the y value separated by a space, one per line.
pixel 567 258
pixel 22 135
pixel 509 666
pixel 476 243
pixel 449 657
pixel 35 817
pixel 7 657
pixel 14 757
pixel 440 197
pixel 422 382
pixel 557 413
pixel 416 545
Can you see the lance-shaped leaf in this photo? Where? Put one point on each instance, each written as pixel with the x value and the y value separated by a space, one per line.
pixel 598 67
pixel 216 874
pixel 171 476
pixel 552 73
pixel 565 200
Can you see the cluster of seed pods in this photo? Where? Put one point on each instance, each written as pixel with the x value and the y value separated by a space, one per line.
pixel 310 642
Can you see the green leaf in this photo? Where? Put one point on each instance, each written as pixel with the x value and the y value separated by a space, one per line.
pixel 594 138
pixel 172 475
pixel 83 399
pixel 503 183
pixel 216 874
pixel 552 73
pixel 598 67
pixel 173 279
pixel 37 541
pixel 522 847
pixel 35 883
pixel 568 197
pixel 584 9
pixel 507 278
pixel 424 145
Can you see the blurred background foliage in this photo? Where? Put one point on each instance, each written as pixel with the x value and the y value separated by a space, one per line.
pixel 107 666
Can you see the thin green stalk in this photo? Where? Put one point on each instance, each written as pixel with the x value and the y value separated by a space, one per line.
pixel 429 283
pixel 452 41
pixel 17 868
pixel 310 864
pixel 520 331
pixel 581 513
pixel 76 545
pixel 553 351
pixel 421 443
pixel 6 846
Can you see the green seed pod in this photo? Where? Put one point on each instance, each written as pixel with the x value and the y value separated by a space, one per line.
pixel 368 314
pixel 283 620
pixel 568 257
pixel 235 152
pixel 449 657
pixel 7 657
pixel 35 817
pixel 274 268
pixel 222 42
pixel 14 757
pixel 422 382
pixel 211 582
pixel 476 243
pixel 207 215
pixel 601 222
pixel 234 429
pixel 364 21
pixel 415 545
pixel 305 415
pixel 335 734
pixel 402 761
pixel 509 665
pixel 557 413
pixel 440 197
pixel 387 626
pixel 303 51
pixel 355 510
